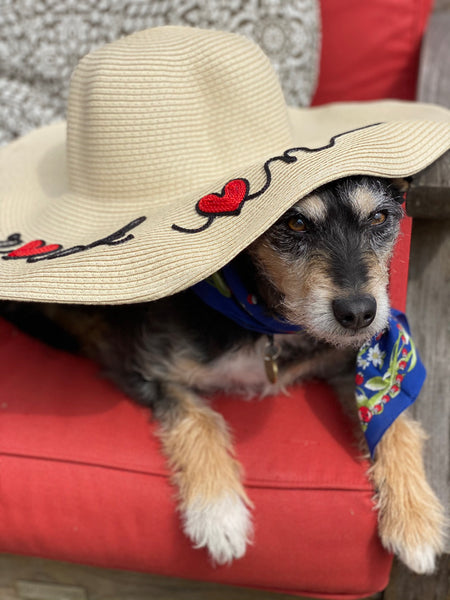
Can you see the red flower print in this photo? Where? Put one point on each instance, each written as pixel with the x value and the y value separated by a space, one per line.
pixel 359 378
pixel 364 414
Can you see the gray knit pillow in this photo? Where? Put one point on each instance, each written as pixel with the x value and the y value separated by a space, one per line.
pixel 41 41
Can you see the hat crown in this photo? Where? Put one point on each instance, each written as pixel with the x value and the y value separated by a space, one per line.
pixel 170 110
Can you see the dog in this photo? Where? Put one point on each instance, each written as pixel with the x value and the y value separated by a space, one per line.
pixel 324 266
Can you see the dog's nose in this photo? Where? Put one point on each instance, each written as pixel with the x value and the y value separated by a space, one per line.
pixel 355 312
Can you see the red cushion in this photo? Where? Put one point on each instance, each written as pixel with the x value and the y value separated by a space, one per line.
pixel 370 49
pixel 82 478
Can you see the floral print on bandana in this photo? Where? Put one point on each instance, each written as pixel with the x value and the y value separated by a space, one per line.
pixel 385 369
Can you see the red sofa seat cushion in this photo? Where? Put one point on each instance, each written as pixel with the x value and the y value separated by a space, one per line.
pixel 83 480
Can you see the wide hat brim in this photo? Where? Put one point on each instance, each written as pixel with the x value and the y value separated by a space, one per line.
pixel 56 247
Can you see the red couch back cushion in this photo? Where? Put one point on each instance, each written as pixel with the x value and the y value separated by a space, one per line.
pixel 370 50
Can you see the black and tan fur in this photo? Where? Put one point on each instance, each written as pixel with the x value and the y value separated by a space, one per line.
pixel 170 354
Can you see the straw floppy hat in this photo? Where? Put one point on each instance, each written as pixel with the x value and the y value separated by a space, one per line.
pixel 180 151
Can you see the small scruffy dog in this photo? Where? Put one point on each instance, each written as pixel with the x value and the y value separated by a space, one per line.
pixel 323 265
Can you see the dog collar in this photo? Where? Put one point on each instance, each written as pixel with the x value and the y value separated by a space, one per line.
pixel 389 372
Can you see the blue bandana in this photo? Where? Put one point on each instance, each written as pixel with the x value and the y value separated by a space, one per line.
pixel 224 291
pixel 389 373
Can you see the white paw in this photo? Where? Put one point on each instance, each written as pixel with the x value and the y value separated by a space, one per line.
pixel 417 544
pixel 414 528
pixel 421 560
pixel 223 527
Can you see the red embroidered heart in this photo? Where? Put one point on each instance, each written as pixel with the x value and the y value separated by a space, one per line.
pixel 228 203
pixel 33 248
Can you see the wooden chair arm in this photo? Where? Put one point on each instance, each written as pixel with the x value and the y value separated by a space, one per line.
pixel 429 196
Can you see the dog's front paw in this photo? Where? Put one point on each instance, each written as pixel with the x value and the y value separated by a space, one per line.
pixel 411 519
pixel 415 535
pixel 222 526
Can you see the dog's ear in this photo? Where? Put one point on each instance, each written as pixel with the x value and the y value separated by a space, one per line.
pixel 400 188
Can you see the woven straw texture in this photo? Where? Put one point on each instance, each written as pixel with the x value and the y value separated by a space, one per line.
pixel 157 121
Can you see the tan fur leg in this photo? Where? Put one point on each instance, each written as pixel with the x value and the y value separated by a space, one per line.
pixel 411 520
pixel 212 499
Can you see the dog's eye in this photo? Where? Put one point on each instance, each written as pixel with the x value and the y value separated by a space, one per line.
pixel 297 224
pixel 378 218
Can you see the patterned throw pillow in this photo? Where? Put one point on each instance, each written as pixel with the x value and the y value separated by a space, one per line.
pixel 41 41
